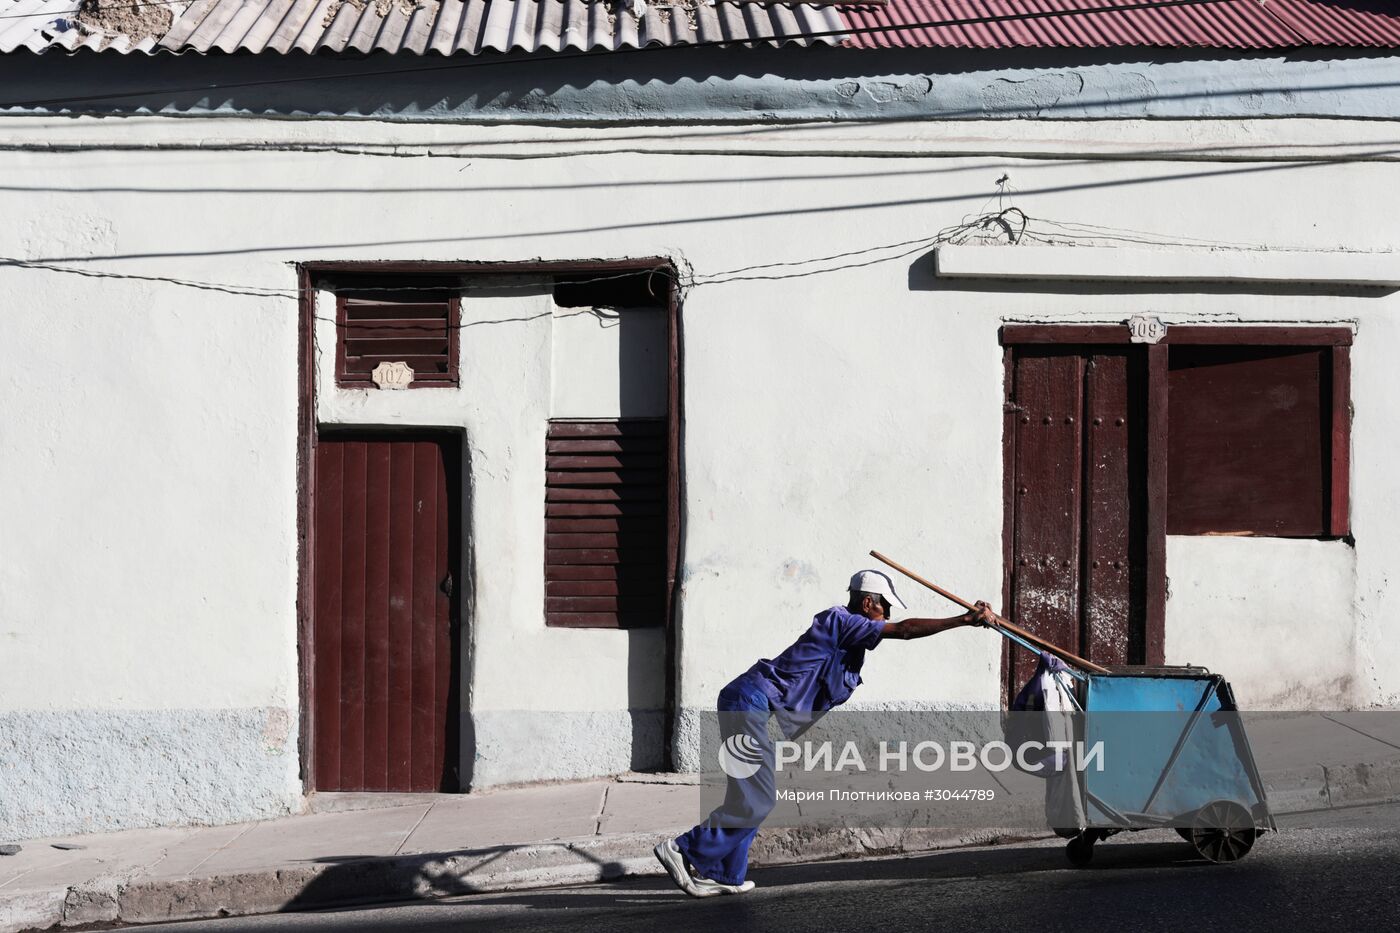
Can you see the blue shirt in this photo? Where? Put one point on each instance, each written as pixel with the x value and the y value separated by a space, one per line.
pixel 819 670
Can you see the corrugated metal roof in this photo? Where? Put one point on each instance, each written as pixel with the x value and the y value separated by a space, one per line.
pixel 1219 24
pixel 475 26
pixel 1374 23
pixel 416 26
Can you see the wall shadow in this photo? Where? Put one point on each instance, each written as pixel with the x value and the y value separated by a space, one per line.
pixel 922 277
pixel 631 309
pixel 526 85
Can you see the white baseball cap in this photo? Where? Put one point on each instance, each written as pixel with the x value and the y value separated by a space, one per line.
pixel 873 581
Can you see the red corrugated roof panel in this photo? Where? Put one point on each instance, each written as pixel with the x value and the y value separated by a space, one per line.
pixel 1373 23
pixel 1221 24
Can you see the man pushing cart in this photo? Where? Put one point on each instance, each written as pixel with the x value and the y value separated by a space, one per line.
pixel 1192 770
pixel 816 673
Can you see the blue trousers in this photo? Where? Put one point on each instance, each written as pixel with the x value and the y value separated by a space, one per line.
pixel 719 847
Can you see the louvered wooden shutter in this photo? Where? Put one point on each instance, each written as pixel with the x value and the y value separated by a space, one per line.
pixel 605 524
pixel 417 329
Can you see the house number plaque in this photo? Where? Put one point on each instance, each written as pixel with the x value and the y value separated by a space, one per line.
pixel 392 375
pixel 1146 328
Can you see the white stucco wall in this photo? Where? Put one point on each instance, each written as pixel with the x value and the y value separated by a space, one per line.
pixel 1277 616
pixel 148 579
pixel 147 596
pixel 608 363
pixel 824 420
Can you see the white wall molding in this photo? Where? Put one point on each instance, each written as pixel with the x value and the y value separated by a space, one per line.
pixel 1301 141
pixel 1168 265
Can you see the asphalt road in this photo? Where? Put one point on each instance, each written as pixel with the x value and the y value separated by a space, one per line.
pixel 1336 879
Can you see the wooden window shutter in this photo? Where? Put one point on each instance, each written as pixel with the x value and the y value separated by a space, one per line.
pixel 605 523
pixel 1257 440
pixel 419 329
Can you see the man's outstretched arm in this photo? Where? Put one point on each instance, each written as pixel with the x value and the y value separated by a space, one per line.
pixel 920 628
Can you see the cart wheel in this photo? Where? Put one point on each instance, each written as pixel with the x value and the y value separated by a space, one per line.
pixel 1223 831
pixel 1080 850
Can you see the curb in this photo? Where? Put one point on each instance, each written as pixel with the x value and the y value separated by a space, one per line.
pixel 303 886
pixel 426 877
pixel 1323 787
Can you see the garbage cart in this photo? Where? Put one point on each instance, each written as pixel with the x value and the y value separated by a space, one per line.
pixel 1172 754
pixel 1175 754
pixel 1184 762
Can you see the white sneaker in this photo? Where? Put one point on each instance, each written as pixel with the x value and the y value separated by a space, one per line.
pixel 671 859
pixel 719 887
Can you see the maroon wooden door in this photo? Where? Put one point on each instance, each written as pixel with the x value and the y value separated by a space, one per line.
pixel 384 641
pixel 1077 436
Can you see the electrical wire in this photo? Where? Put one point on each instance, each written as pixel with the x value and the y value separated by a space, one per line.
pixel 607 318
pixel 252 291
pixel 464 286
pixel 1010 225
pixel 1074 231
pixel 956 233
pixel 804 274
pixel 802 262
pixel 1071 229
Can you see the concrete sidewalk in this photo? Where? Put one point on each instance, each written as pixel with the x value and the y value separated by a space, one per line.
pixel 365 847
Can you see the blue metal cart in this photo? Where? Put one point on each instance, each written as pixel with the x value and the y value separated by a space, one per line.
pixel 1176 756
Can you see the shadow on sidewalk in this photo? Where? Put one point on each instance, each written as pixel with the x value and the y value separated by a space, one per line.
pixel 354 881
pixel 1144 881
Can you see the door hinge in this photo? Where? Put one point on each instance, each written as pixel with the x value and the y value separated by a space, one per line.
pixel 446 585
pixel 1010 407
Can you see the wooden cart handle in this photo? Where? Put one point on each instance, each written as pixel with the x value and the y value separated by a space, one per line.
pixel 1074 659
